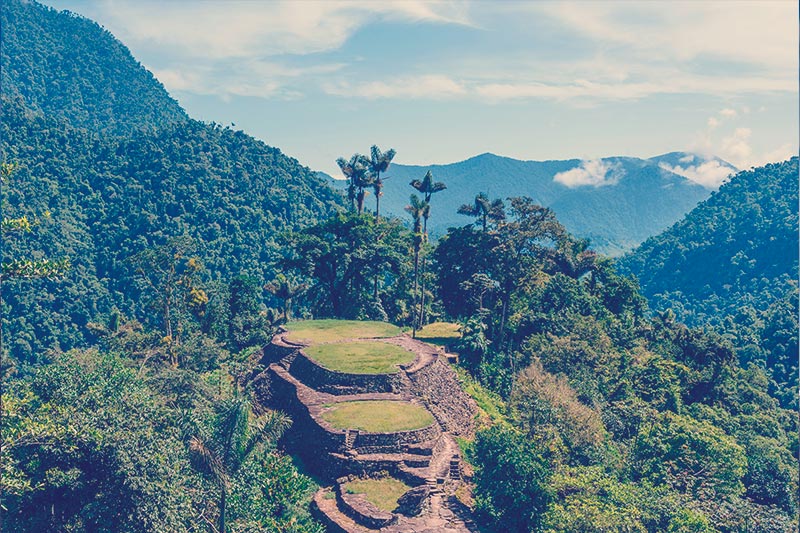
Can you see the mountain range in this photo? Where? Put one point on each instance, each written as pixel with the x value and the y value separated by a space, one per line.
pixel 616 202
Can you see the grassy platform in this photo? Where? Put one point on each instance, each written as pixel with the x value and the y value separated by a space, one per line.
pixel 321 331
pixel 383 493
pixel 440 333
pixel 377 416
pixel 362 357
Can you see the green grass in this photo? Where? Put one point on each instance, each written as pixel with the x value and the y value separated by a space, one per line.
pixel 383 493
pixel 321 331
pixel 440 333
pixel 491 406
pixel 377 416
pixel 362 357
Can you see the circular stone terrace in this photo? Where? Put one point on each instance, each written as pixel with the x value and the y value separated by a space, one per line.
pixel 351 347
pixel 327 331
pixel 377 416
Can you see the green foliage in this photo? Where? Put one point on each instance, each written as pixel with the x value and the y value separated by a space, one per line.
pixel 732 263
pixel 690 456
pixel 117 198
pixel 511 481
pixel 52 64
pixel 346 257
pixel 94 449
pixel 592 501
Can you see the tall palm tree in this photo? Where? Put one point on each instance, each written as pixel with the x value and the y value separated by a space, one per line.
pixel 428 188
pixel 485 210
pixel 379 162
pixel 356 170
pixel 417 209
pixel 240 428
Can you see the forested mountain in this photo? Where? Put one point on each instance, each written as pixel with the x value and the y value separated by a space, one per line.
pixel 631 199
pixel 129 386
pixel 68 67
pixel 732 263
pixel 111 195
pixel 737 248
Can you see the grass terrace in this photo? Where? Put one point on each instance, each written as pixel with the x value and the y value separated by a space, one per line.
pixel 363 357
pixel 440 333
pixel 323 331
pixel 383 493
pixel 377 416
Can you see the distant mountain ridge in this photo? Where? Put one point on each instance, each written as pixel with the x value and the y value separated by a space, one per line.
pixel 617 202
pixel 737 248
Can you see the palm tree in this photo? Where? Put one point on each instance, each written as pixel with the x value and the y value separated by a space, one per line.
pixel 284 289
pixel 379 162
pixel 428 188
pixel 239 429
pixel 573 257
pixel 417 209
pixel 356 170
pixel 485 210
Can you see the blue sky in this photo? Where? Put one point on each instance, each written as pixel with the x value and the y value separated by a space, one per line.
pixel 443 81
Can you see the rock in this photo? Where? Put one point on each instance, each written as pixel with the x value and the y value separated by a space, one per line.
pixel 412 502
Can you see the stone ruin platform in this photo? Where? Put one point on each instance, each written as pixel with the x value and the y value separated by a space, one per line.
pixel 427 459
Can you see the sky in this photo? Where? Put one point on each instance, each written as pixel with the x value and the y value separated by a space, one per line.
pixel 444 81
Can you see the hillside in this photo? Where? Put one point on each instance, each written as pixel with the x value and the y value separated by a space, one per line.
pixel 112 196
pixel 68 67
pixel 737 248
pixel 732 264
pixel 637 198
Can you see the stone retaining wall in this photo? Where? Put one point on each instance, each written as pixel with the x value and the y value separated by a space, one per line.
pixel 323 379
pixel 396 441
pixel 437 385
pixel 362 511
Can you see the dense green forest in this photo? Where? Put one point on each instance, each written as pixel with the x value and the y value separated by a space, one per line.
pixel 732 264
pixel 127 379
pixel 68 68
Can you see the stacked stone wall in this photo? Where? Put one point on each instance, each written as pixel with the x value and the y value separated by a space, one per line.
pixel 323 379
pixel 397 440
pixel 437 385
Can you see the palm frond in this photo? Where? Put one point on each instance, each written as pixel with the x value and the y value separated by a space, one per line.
pixel 207 461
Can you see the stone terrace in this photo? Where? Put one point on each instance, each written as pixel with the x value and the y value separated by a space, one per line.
pixel 426 459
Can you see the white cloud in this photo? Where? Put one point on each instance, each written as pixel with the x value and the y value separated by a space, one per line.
pixel 736 148
pixel 435 87
pixel 235 29
pixel 757 32
pixel 710 174
pixel 596 173
pixel 782 153
pixel 713 122
pixel 728 112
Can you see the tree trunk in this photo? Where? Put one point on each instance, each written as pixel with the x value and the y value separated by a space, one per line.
pixel 422 297
pixel 378 187
pixel 361 196
pixel 222 503
pixel 416 285
pixel 503 322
